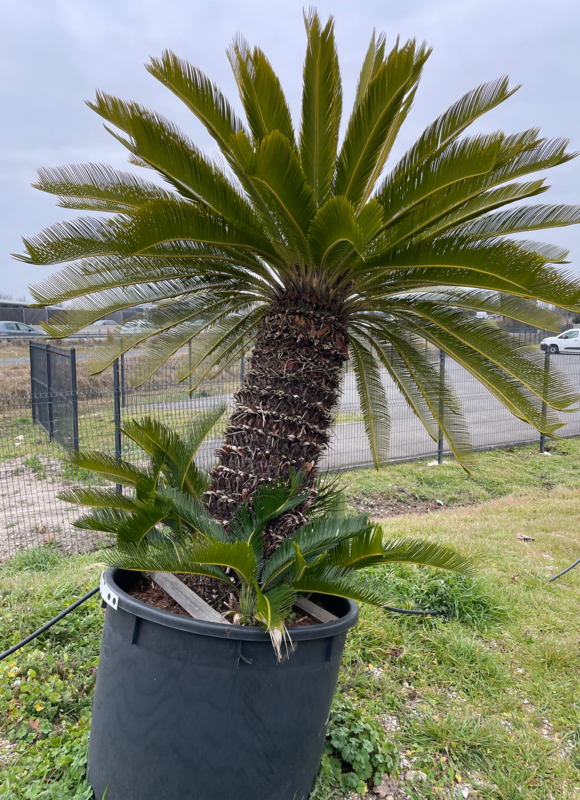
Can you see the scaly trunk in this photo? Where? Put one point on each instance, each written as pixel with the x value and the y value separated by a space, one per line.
pixel 283 412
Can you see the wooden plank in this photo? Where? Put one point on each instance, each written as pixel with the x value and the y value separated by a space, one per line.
pixel 186 597
pixel 315 611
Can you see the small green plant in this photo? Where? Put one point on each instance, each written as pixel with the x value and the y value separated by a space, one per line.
pixel 37 466
pixel 164 526
pixel 357 753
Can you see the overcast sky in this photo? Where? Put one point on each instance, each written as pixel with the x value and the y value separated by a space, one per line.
pixel 54 53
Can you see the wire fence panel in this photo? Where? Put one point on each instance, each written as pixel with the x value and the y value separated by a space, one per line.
pixel 54 392
pixel 32 470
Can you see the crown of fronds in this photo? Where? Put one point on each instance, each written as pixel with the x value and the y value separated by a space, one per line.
pixel 405 252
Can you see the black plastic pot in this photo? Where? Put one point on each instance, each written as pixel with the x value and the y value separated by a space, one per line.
pixel 192 710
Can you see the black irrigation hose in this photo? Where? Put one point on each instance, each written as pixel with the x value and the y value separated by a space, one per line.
pixel 564 571
pixel 416 613
pixel 48 624
pixel 87 596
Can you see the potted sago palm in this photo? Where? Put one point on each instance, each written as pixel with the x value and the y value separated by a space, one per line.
pixel 307 251
pixel 234 701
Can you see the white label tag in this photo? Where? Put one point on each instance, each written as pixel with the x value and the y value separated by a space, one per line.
pixel 110 598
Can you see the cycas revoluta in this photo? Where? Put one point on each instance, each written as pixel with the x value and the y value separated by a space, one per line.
pixel 308 251
pixel 163 526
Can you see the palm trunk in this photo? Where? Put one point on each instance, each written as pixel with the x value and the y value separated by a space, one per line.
pixel 284 411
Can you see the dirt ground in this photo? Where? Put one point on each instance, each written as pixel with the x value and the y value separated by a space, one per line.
pixel 30 512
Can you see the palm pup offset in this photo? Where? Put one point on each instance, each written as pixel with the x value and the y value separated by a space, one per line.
pixel 309 251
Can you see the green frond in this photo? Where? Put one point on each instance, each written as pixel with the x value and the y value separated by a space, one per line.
pixel 211 348
pixel 109 467
pixel 417 376
pixel 499 378
pixel 447 210
pixel 187 558
pixel 525 311
pixel 519 220
pixel 260 92
pixel 496 346
pixel 269 501
pixel 334 224
pixel 372 398
pixel 106 520
pixel 165 222
pixel 321 107
pixel 313 540
pixel 97 498
pixel 501 265
pixel 273 607
pixel 70 240
pixel 137 273
pixel 160 559
pixel 97 187
pixel 340 583
pixel 359 551
pixel 465 159
pixel 370 122
pixel 200 95
pixel 137 524
pixel 446 128
pixel 161 146
pixel 277 169
pixel 372 61
pixel 194 514
pixel 426 554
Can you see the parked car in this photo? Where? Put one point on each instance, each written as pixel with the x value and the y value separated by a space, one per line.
pixel 567 342
pixel 11 329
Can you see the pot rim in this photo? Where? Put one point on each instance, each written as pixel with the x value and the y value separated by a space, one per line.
pixel 220 630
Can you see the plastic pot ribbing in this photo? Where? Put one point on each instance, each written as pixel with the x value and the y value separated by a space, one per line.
pixel 192 710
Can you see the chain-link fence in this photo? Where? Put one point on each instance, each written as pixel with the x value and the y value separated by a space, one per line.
pixel 32 471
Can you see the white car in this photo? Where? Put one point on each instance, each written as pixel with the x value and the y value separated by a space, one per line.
pixel 567 342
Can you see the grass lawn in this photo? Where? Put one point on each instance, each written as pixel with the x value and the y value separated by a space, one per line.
pixel 484 704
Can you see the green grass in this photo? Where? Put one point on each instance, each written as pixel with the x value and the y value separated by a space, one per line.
pixel 520 470
pixel 488 697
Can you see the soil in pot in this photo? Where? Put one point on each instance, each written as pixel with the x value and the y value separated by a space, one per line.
pixel 210 590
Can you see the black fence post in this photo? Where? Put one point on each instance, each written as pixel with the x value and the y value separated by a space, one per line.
pixel 49 394
pixel 189 365
pixel 32 386
pixel 74 398
pixel 117 402
pixel 544 404
pixel 441 405
pixel 123 392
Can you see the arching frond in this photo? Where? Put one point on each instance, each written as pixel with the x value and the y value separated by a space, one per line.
pixel 321 107
pixel 260 92
pixel 97 187
pixel 199 95
pixel 372 398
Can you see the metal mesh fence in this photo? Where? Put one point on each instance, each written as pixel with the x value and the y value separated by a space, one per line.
pixel 32 471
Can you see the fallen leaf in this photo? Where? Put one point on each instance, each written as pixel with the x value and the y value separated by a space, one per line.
pixel 523 538
pixel 35 724
pixel 515 577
